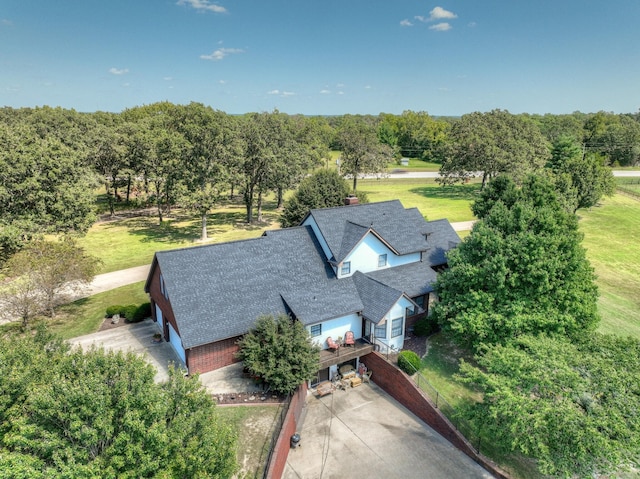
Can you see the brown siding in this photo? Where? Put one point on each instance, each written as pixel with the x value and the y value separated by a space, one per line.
pixel 399 386
pixel 158 298
pixel 212 356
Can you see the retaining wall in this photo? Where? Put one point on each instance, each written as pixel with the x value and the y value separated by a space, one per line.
pixel 400 386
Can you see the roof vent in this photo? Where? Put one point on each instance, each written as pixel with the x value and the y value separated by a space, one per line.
pixel 351 200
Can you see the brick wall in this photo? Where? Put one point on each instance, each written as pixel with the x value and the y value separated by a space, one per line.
pixel 212 356
pixel 289 427
pixel 400 386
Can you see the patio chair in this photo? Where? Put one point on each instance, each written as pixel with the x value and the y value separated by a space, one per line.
pixel 349 339
pixel 332 344
pixel 366 377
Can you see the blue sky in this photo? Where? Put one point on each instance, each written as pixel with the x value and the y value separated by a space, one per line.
pixel 323 56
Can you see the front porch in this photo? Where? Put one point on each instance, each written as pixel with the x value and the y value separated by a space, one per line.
pixel 344 353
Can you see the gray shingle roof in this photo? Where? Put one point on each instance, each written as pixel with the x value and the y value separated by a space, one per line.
pixel 403 229
pixel 378 298
pixel 217 291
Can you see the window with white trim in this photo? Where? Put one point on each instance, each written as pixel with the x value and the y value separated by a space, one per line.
pixel 316 330
pixel 382 260
pixel 396 327
pixel 346 268
pixel 380 331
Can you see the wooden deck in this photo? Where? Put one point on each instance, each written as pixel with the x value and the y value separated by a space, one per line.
pixel 344 353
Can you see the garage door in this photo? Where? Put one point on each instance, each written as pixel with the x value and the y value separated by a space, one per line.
pixel 176 342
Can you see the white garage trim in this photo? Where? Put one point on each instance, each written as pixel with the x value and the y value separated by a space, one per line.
pixel 176 342
pixel 160 319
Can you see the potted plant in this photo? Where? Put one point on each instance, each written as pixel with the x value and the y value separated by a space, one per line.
pixel 157 338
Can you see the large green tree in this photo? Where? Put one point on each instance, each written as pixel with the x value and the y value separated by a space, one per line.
pixel 44 185
pixel 323 189
pixel 585 173
pixel 280 352
pixel 67 414
pixel 571 406
pixel 493 143
pixel 213 144
pixel 521 271
pixel 361 150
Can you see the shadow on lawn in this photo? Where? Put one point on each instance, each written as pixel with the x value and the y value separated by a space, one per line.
pixel 467 192
pixel 186 228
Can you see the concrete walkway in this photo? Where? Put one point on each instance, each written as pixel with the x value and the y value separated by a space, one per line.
pixel 115 279
pixel 363 433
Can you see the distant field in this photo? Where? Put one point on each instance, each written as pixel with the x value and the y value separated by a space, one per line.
pixel 611 238
pixel 629 185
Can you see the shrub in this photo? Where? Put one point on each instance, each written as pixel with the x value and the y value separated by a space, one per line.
pixel 426 326
pixel 129 311
pixel 142 312
pixel 409 362
pixel 115 309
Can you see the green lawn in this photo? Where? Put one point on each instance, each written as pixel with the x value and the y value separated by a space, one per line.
pixel 86 315
pixel 611 233
pixel 254 426
pixel 433 201
pixel 132 242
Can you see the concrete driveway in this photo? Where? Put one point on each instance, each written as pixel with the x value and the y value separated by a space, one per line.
pixel 363 433
pixel 136 338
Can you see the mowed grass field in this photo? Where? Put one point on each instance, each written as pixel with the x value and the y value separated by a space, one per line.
pixel 611 237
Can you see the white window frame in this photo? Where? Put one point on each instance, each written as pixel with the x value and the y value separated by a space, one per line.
pixel 319 329
pixel 394 327
pixel 380 328
pixel 345 268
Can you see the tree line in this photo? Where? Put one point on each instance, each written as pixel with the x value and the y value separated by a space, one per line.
pixel 52 160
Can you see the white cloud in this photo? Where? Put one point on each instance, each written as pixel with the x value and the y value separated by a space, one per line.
pixel 440 13
pixel 340 85
pixel 168 78
pixel 340 93
pixel 420 18
pixel 406 23
pixel 367 87
pixel 472 24
pixel 203 5
pixel 441 27
pixel 281 93
pixel 325 92
pixel 220 53
pixel 222 82
pixel 118 71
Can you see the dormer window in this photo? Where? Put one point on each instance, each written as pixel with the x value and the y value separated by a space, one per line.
pixel 346 268
pixel 382 260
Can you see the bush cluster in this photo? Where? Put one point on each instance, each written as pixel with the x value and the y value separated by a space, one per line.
pixel 132 312
pixel 426 326
pixel 409 362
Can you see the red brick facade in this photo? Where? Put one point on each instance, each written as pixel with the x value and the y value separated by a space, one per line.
pixel 212 356
pixel 201 359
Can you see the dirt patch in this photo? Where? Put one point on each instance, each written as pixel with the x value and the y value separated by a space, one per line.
pixel 247 399
pixel 108 324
